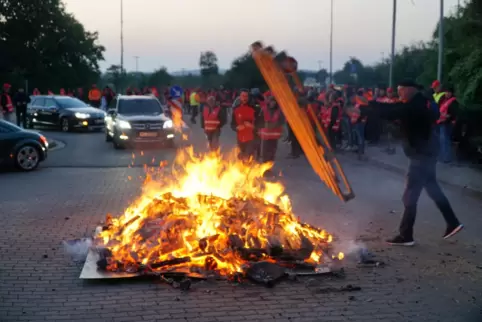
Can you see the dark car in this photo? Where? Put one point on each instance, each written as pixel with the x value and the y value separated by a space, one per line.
pixel 24 148
pixel 138 119
pixel 63 112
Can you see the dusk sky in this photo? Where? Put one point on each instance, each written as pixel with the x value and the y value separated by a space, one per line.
pixel 173 33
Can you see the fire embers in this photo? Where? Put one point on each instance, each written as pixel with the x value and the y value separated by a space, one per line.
pixel 211 236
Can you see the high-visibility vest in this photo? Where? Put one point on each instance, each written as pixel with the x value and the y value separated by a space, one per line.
pixel 326 119
pixel 211 118
pixel 62 91
pixel 95 94
pixel 438 96
pixel 444 110
pixel 274 133
pixel 242 114
pixel 49 92
pixel 314 107
pixel 9 105
pixel 36 92
pixel 193 99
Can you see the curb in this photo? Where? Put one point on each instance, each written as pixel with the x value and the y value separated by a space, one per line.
pixel 402 171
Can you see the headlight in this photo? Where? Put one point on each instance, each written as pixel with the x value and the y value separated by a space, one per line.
pixel 82 115
pixel 123 124
pixel 167 124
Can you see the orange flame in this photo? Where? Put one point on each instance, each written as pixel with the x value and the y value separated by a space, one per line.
pixel 197 212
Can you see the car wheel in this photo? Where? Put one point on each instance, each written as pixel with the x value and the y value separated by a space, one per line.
pixel 108 138
pixel 29 123
pixel 116 144
pixel 64 125
pixel 27 158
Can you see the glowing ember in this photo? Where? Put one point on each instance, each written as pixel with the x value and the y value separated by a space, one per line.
pixel 210 216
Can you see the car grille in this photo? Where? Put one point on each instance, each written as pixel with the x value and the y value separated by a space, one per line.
pixel 146 125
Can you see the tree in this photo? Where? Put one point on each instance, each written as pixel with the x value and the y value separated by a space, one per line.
pixel 244 74
pixel 208 62
pixel 159 78
pixel 114 77
pixel 44 44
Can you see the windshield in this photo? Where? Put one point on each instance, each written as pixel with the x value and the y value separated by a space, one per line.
pixel 67 102
pixel 139 106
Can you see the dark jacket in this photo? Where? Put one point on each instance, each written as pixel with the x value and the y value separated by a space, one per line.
pixel 417 120
pixel 21 99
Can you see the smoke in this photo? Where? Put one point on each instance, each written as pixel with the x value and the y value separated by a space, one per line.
pixel 77 249
pixel 353 250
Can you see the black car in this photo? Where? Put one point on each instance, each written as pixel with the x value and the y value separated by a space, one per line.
pixel 24 148
pixel 64 112
pixel 138 119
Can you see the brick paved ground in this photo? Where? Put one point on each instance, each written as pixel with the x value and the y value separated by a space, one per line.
pixel 435 281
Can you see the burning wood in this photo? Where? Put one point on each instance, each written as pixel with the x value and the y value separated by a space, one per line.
pixel 214 218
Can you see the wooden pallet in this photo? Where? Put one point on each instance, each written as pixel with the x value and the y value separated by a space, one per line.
pixel 320 156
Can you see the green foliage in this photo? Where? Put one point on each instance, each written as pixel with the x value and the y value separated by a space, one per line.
pixel 244 74
pixel 42 43
pixel 462 59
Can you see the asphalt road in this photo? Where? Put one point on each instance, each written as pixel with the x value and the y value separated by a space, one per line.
pixel 73 191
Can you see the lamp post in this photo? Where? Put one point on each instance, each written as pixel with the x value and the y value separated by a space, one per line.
pixel 392 54
pixel 440 41
pixel 331 44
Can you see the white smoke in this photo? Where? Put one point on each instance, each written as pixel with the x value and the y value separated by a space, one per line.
pixel 77 249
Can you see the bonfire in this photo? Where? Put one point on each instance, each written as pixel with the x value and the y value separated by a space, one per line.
pixel 211 216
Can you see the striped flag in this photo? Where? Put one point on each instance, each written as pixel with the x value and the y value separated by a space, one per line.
pixel 175 104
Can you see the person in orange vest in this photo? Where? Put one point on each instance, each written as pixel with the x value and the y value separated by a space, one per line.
pixel 35 92
pixel 271 122
pixel 358 122
pixel 213 118
pixel 243 122
pixel 49 92
pixel 95 96
pixel 6 103
pixel 446 122
pixel 70 93
pixel 391 95
pixel 62 92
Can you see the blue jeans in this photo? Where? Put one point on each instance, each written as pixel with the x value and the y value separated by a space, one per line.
pixel 346 128
pixel 445 133
pixel 359 134
pixel 422 174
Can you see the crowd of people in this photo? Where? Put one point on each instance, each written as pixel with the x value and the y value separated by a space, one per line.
pixel 347 115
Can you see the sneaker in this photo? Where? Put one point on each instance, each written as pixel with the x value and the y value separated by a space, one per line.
pixel 401 241
pixel 452 231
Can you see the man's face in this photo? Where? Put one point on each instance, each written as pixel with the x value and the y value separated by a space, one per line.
pixel 211 101
pixel 6 89
pixel 244 97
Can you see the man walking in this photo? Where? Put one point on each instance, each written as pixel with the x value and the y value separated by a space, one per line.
pixel 213 118
pixel 421 145
pixel 21 99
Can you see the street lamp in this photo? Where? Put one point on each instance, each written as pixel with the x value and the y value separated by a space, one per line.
pixel 392 54
pixel 440 41
pixel 331 43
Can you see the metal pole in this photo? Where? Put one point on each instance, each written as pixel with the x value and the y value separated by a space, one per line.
pixel 440 41
pixel 392 54
pixel 137 63
pixel 331 44
pixel 122 35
